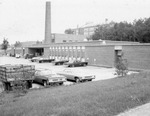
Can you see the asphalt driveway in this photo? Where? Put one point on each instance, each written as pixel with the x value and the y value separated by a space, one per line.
pixel 100 72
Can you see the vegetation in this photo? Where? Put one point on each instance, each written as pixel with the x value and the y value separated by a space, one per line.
pixel 99 98
pixel 5 45
pixel 138 31
pixel 122 67
pixel 38 42
pixel 68 31
pixel 17 44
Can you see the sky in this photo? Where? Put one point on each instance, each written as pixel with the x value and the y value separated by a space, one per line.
pixel 24 20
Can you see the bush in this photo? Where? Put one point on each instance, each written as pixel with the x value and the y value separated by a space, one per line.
pixel 122 67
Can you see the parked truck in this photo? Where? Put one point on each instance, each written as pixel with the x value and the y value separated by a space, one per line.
pixel 17 75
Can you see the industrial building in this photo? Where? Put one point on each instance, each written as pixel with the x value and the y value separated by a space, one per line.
pixel 97 53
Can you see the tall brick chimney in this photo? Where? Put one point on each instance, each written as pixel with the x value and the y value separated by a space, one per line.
pixel 48 37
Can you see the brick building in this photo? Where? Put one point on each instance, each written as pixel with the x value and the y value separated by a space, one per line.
pixel 87 31
pixel 98 53
pixel 62 38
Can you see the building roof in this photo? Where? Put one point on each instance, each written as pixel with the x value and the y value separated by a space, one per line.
pixel 90 43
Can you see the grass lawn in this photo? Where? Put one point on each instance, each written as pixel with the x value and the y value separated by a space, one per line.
pixel 99 98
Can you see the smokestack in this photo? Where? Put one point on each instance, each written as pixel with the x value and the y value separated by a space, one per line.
pixel 48 23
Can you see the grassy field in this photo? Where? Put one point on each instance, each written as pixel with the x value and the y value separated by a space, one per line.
pixel 99 98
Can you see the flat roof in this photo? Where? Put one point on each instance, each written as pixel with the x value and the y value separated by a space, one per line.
pixel 89 43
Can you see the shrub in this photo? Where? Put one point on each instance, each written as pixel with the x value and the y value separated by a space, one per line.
pixel 122 67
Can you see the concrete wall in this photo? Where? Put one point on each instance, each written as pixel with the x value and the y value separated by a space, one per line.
pixel 100 55
pixel 138 56
pixel 97 53
pixel 46 52
pixel 20 51
pixel 68 52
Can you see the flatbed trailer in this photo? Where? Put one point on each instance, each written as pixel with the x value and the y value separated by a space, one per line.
pixel 17 75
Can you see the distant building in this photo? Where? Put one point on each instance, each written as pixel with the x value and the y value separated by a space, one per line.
pixel 63 38
pixel 24 44
pixel 87 31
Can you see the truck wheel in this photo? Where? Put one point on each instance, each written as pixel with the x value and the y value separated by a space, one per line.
pixel 7 86
pixel 84 64
pixel 61 83
pixel 45 83
pixel 29 84
pixel 77 80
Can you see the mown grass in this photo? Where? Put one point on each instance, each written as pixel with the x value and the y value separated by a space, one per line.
pixel 101 98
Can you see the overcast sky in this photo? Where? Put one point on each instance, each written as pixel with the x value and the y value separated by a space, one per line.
pixel 24 20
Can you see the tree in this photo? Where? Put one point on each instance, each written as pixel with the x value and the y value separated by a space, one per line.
pixel 98 33
pixel 17 44
pixel 138 31
pixel 69 31
pixel 38 42
pixel 5 45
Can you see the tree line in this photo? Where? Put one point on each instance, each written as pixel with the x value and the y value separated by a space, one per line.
pixel 4 45
pixel 138 31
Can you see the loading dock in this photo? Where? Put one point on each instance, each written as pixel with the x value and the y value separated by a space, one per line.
pixel 36 51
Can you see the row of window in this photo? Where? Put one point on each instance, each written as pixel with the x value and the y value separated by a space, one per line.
pixel 68 58
pixel 83 31
pixel 69 41
pixel 67 47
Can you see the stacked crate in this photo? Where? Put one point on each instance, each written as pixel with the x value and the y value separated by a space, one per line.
pixel 10 74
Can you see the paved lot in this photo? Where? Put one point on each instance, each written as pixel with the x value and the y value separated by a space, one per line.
pixel 101 73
